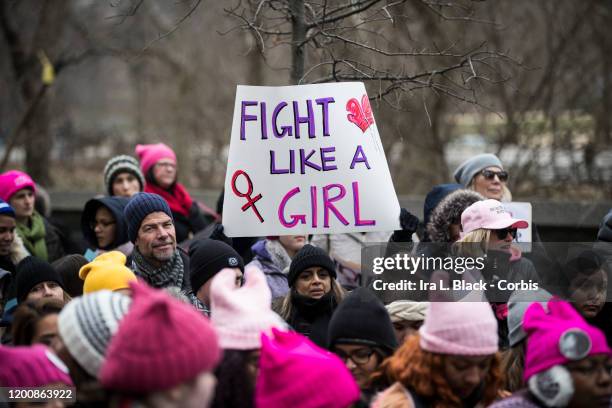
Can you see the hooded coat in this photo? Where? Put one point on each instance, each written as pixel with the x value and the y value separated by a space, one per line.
pixel 115 205
pixel 448 212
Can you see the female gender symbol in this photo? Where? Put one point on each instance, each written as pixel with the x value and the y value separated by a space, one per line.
pixel 250 200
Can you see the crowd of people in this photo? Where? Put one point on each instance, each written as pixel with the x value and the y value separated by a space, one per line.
pixel 163 310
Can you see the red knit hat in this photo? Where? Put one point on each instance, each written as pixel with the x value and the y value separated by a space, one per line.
pixel 160 344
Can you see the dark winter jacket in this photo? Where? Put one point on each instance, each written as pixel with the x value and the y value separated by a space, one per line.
pixel 55 240
pixel 195 222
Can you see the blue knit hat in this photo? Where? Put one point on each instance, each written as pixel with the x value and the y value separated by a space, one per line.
pixel 6 209
pixel 141 205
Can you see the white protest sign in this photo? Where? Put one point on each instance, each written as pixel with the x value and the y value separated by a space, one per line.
pixel 522 211
pixel 306 159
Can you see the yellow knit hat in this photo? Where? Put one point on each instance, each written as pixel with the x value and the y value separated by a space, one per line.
pixel 106 271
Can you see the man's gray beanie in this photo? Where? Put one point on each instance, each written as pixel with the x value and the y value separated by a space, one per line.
pixel 469 168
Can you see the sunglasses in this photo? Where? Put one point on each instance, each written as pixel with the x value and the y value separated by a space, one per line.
pixel 503 233
pixel 490 174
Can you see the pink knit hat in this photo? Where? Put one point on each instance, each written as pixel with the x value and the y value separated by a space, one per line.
pixel 160 343
pixel 293 372
pixel 488 214
pixel 34 366
pixel 558 336
pixel 12 181
pixel 459 328
pixel 150 154
pixel 240 315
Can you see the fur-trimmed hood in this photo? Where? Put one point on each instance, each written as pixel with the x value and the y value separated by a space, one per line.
pixel 448 212
pixel 18 250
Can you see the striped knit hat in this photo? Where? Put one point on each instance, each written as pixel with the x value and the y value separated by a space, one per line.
pixel 141 205
pixel 87 323
pixel 121 164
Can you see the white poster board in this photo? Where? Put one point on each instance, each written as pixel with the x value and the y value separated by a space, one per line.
pixel 523 211
pixel 306 159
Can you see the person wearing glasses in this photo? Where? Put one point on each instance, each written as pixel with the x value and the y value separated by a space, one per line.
pixel 104 228
pixel 159 166
pixel 361 334
pixel 488 230
pixel 484 174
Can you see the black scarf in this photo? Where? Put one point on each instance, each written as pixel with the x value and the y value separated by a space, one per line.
pixel 311 316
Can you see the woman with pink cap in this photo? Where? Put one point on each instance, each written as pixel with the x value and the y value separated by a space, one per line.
pixel 40 238
pixel 159 166
pixel 452 362
pixel 568 362
pixel 487 229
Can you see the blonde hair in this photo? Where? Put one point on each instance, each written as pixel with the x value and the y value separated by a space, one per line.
pixel 466 246
pixel 286 308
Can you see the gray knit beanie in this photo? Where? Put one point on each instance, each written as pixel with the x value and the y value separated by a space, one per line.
pixel 86 325
pixel 121 164
pixel 469 168
pixel 517 306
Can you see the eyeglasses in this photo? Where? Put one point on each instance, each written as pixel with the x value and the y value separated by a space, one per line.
pixel 166 165
pixel 503 233
pixel 359 357
pixel 490 174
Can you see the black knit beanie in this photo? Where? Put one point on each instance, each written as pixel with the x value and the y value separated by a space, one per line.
pixel 361 318
pixel 307 257
pixel 68 268
pixel 141 205
pixel 30 272
pixel 207 257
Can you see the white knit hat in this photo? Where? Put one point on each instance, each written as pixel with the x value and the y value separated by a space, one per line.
pixel 87 324
pixel 241 315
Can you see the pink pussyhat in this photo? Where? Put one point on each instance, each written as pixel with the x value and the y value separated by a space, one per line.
pixel 558 336
pixel 12 181
pixel 459 328
pixel 149 154
pixel 240 315
pixel 34 366
pixel 488 214
pixel 160 343
pixel 293 372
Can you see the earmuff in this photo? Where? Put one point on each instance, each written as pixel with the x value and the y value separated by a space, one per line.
pixel 553 387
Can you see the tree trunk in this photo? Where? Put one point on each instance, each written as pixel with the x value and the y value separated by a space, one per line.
pixel 297 40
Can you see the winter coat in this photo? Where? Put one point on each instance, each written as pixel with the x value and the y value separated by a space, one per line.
pixel 196 221
pixel 274 272
pixel 520 399
pixel 55 240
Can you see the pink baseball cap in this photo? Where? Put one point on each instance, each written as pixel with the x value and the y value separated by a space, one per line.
pixel 12 181
pixel 149 154
pixel 488 214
